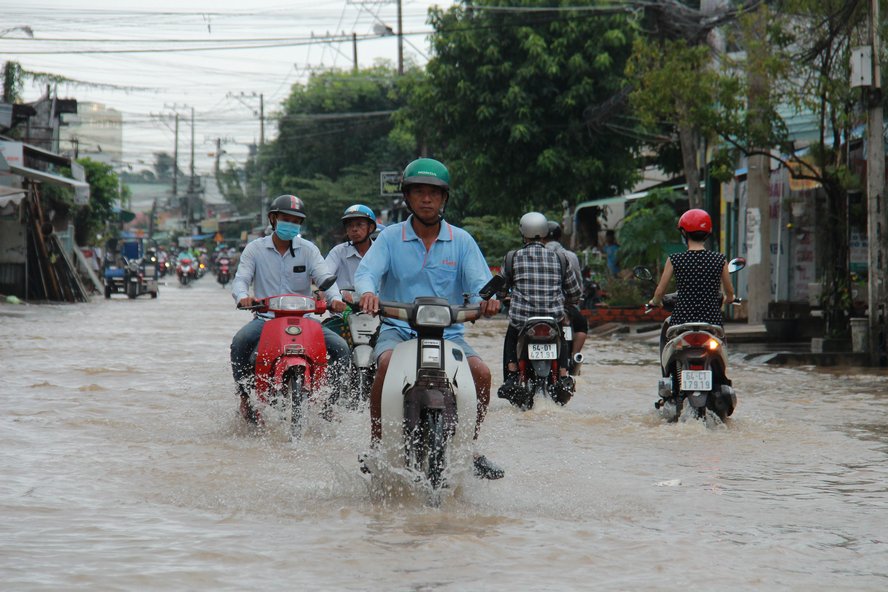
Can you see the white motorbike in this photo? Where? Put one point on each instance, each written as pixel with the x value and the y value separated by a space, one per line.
pixel 429 403
pixel 362 328
pixel 694 363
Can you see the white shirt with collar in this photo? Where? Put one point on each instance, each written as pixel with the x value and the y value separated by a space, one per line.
pixel 271 273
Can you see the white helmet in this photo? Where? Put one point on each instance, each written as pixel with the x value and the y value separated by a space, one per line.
pixel 534 226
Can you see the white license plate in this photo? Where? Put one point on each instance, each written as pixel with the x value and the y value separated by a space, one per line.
pixel 696 380
pixel 541 351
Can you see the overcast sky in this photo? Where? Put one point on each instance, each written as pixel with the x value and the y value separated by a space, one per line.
pixel 148 85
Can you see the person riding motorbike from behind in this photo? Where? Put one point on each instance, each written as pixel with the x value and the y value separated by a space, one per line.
pixel 699 274
pixel 425 256
pixel 578 323
pixel 280 263
pixel 542 285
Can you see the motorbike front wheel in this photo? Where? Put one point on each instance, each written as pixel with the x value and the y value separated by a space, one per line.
pixel 132 290
pixel 428 445
pixel 298 404
pixel 437 444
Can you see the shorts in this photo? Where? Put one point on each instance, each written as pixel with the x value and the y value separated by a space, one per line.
pixel 389 337
pixel 578 322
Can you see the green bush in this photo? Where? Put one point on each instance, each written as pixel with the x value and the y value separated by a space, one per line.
pixel 622 292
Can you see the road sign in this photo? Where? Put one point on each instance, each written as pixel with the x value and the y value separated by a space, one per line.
pixel 390 184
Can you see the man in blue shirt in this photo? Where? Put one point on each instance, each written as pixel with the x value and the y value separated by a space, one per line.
pixel 425 256
pixel 283 263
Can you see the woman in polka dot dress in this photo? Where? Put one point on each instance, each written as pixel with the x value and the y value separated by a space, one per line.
pixel 699 275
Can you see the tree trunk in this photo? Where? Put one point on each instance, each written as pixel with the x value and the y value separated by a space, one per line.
pixel 689 147
pixel 836 295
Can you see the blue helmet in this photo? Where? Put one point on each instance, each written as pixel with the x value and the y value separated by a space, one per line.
pixel 358 211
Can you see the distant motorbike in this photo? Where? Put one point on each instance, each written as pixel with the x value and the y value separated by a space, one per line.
pixel 186 270
pixel 223 270
pixel 693 363
pixel 429 401
pixel 291 358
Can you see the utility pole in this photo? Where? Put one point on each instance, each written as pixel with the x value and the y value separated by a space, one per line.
pixel 192 190
pixel 876 207
pixel 218 155
pixel 355 51
pixel 400 41
pixel 262 215
pixel 176 163
pixel 758 211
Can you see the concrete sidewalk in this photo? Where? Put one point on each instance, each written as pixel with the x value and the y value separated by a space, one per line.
pixel 750 340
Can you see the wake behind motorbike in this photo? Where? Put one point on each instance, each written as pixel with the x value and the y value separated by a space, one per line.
pixel 429 402
pixel 693 363
pixel 290 360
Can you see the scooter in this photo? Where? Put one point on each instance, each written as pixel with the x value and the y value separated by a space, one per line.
pixel 362 330
pixel 223 275
pixel 541 342
pixel 185 270
pixel 291 358
pixel 693 363
pixel 429 402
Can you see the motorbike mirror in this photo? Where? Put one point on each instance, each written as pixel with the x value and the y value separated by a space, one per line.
pixel 736 264
pixel 643 273
pixel 495 284
pixel 325 285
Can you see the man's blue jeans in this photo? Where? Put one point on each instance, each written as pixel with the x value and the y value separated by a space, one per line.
pixel 246 341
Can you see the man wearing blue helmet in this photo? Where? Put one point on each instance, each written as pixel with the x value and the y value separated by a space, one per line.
pixel 343 259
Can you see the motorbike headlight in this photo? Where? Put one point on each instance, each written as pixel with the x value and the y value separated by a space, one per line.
pixel 433 315
pixel 291 303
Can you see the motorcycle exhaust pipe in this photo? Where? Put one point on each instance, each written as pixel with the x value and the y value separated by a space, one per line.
pixel 578 359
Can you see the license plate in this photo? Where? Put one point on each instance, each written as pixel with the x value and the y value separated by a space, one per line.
pixel 541 351
pixel 696 380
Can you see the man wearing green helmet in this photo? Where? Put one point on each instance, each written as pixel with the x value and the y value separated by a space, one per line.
pixel 425 256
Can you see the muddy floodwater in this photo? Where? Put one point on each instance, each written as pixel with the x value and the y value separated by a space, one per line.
pixel 123 467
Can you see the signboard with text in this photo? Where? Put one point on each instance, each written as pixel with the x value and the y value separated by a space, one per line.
pixel 390 184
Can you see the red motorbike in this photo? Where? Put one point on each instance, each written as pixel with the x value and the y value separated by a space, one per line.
pixel 291 358
pixel 223 272
pixel 186 270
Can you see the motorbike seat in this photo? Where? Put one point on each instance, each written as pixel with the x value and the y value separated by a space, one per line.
pixel 677 330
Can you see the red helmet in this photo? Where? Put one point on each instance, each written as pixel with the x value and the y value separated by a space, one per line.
pixel 695 221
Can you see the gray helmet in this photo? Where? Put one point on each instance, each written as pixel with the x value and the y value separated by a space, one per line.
pixel 554 231
pixel 533 226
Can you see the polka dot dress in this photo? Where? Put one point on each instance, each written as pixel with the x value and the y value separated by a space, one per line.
pixel 698 279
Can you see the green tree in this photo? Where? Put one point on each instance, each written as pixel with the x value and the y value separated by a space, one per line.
pixel 648 228
pixel 673 88
pixel 13 80
pixel 98 216
pixel 505 100
pixel 337 120
pixel 495 235
pixel 105 190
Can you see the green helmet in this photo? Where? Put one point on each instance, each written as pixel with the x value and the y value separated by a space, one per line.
pixel 426 171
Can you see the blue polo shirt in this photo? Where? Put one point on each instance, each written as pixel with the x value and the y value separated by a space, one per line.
pixel 399 268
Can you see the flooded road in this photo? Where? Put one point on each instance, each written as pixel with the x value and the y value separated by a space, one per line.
pixel 124 468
